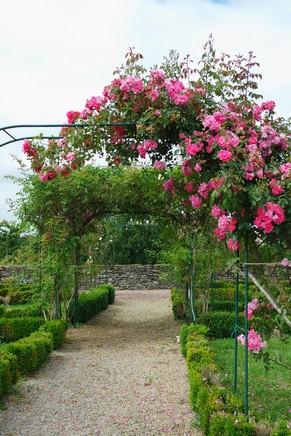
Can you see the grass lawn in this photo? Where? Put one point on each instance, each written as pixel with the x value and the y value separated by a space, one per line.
pixel 269 390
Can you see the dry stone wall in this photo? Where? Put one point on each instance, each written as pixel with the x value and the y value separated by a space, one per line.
pixel 128 277
pixel 121 276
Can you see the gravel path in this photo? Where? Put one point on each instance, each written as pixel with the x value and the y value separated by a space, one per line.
pixel 121 374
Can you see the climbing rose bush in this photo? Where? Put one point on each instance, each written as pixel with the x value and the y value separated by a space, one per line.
pixel 255 341
pixel 252 307
pixel 242 176
pixel 231 149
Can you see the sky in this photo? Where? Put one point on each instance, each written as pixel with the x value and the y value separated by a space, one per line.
pixel 55 54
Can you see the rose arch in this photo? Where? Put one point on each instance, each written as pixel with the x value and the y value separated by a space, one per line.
pixel 221 150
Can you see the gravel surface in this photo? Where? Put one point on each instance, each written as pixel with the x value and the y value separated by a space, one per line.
pixel 120 374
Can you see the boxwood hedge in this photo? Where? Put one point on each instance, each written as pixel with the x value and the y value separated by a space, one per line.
pixel 12 329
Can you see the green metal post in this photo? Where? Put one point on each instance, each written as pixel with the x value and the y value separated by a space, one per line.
pixel 236 324
pixel 246 328
pixel 40 264
pixel 77 277
pixel 192 286
pixel 75 304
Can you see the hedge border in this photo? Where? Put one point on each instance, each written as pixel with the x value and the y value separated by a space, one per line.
pixel 219 411
pixel 12 329
pixel 93 302
pixel 27 354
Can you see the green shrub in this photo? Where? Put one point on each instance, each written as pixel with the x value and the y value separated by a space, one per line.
pixel 281 429
pixel 26 287
pixel 111 292
pixel 221 284
pixel 220 324
pixel 228 292
pixel 4 292
pixel 90 304
pixel 178 303
pixel 224 306
pixel 58 330
pixel 12 329
pixel 183 339
pixel 188 329
pixel 8 372
pixel 23 310
pixel 2 310
pixel 224 294
pixel 32 351
pixel 218 410
pixel 20 297
pixel 228 425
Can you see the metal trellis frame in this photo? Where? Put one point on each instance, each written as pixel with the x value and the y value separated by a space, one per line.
pixel 9 130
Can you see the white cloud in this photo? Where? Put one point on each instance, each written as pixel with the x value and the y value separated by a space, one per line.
pixel 55 54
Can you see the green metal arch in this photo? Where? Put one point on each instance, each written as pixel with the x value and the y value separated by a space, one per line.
pixel 7 129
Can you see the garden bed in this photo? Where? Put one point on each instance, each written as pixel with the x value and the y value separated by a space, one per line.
pixel 269 390
pixel 220 412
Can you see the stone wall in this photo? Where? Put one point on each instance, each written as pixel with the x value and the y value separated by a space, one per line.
pixel 127 277
pixel 121 276
pixel 23 273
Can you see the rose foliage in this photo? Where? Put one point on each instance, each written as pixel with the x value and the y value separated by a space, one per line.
pixel 232 151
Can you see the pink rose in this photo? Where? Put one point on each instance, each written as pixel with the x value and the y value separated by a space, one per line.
pixel 26 146
pixel 224 155
pixel 268 105
pixel 159 165
pixel 197 168
pixel 195 201
pixel 72 116
pixel 233 244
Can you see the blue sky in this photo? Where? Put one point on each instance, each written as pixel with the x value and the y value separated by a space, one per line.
pixel 56 54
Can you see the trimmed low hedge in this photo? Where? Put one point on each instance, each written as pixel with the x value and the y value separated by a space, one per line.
pixel 8 372
pixel 111 292
pixel 178 303
pixel 218 410
pixel 222 294
pixel 57 328
pixel 220 324
pixel 12 329
pixel 31 352
pixel 23 311
pixel 25 355
pixel 224 306
pixel 90 304
pixel 20 297
pixel 2 310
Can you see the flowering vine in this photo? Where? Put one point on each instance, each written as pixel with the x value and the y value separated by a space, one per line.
pixel 231 150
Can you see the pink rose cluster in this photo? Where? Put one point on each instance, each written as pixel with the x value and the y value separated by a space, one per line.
pixel 252 307
pixel 177 92
pixel 28 149
pixel 131 84
pixel 227 137
pixel 226 224
pixel 286 263
pixel 285 170
pixel 159 165
pixel 72 116
pixel 255 341
pixel 203 189
pixel 268 216
pixel 169 186
pixel 146 146
pixel 214 122
pixel 259 109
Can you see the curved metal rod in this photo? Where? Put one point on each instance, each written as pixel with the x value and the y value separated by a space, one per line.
pixel 77 125
pixel 29 137
pixel 16 126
